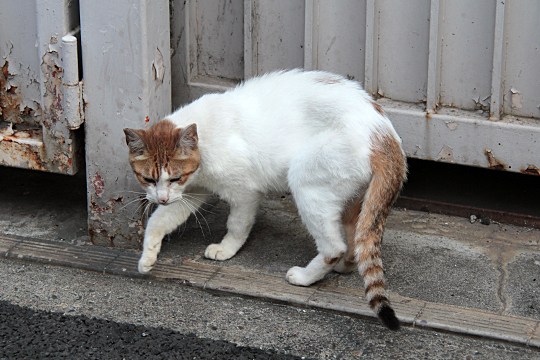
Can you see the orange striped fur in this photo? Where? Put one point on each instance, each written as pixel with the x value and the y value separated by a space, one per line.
pixel 364 221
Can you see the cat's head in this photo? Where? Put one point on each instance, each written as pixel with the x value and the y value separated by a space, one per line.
pixel 164 158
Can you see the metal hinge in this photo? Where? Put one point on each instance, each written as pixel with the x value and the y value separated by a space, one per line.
pixel 73 88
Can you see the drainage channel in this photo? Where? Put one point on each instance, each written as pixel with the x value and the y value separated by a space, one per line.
pixel 482 195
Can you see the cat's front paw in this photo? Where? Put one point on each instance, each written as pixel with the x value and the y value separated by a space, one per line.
pixel 218 252
pixel 297 276
pixel 145 265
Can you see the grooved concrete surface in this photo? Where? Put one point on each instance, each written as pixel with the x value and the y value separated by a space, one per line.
pixel 430 257
pixel 427 257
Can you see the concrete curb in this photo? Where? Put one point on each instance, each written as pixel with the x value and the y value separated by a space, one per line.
pixel 239 281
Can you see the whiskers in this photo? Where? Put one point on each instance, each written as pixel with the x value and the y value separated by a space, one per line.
pixel 138 198
pixel 144 206
pixel 147 208
pixel 193 203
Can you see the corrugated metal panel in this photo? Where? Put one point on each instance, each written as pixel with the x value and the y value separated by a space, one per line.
pixel 336 37
pixel 522 58
pixel 217 39
pixel 403 39
pixel 278 35
pixel 466 36
pixel 443 69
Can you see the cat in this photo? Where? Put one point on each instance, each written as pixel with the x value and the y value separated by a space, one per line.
pixel 313 133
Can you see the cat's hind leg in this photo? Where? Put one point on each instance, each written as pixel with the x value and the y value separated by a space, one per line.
pixel 322 216
pixel 322 177
pixel 239 224
pixel 163 221
pixel 348 263
pixel 327 231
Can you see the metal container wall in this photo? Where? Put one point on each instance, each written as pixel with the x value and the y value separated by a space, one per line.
pixel 460 80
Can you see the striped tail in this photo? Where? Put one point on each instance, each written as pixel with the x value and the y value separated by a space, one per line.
pixel 389 171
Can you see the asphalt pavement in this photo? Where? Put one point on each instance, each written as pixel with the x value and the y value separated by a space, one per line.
pixel 164 310
pixel 30 334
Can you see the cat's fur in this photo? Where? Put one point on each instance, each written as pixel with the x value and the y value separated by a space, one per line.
pixel 314 133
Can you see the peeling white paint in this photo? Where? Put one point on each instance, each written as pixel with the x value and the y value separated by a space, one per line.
pixel 517 99
pixel 452 125
pixel 446 154
pixel 8 131
pixel 158 66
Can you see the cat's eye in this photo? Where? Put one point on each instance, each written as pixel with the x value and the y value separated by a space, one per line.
pixel 149 180
pixel 175 179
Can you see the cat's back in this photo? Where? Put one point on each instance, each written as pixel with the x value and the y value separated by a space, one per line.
pixel 299 84
pixel 287 107
pixel 308 100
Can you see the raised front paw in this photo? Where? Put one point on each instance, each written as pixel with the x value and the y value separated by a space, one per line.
pixel 146 264
pixel 218 252
pixel 297 276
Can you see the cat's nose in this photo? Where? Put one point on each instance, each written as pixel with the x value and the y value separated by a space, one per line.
pixel 163 199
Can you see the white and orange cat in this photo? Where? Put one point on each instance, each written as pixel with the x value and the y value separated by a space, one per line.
pixel 315 134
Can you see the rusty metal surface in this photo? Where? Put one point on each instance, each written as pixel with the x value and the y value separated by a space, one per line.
pixel 31 87
pixel 21 148
pixel 12 106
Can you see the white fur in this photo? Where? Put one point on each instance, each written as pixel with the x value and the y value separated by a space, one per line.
pixel 307 132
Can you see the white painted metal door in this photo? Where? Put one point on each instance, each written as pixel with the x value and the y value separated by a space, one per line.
pixel 459 79
pixel 126 61
pixel 40 98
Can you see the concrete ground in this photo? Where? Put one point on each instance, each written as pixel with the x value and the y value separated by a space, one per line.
pixel 431 258
pixel 306 332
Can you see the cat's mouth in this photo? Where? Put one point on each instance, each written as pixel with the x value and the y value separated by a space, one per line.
pixel 167 201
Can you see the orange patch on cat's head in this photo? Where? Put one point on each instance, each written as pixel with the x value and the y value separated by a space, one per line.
pixel 163 147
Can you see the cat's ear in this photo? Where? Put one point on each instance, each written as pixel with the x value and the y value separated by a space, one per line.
pixel 134 141
pixel 189 137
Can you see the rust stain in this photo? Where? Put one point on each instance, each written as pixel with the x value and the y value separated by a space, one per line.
pixel 531 170
pixel 493 162
pixel 11 99
pixel 99 185
pixel 23 136
pixel 13 153
pixel 21 148
pixel 63 161
pixel 99 210
pixel 428 115
pixel 59 154
pixel 53 90
pixel 5 70
pixel 104 231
